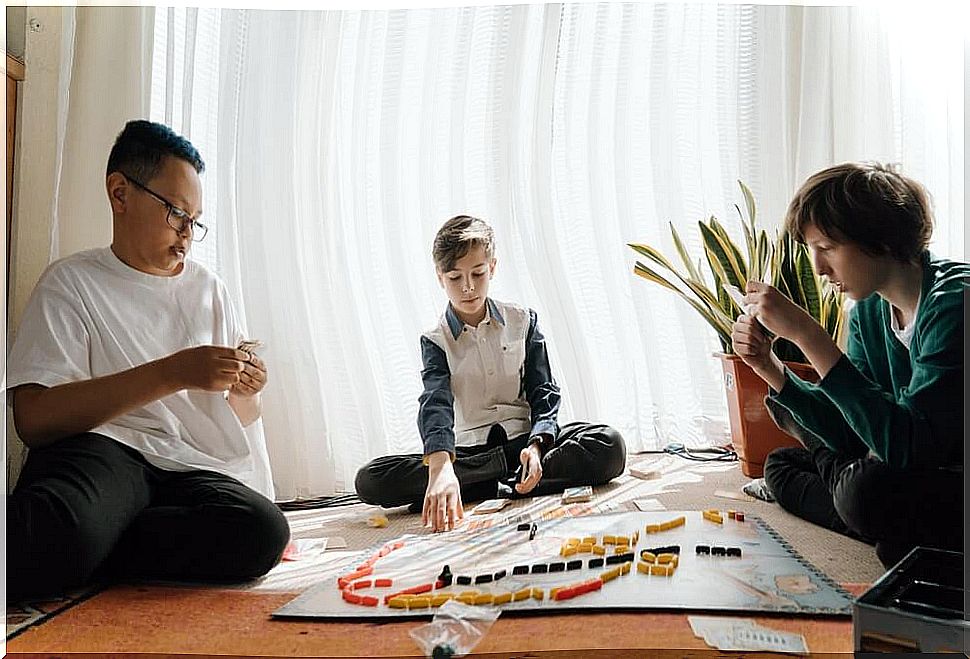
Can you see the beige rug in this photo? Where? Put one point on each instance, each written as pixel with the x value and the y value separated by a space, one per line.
pixel 682 485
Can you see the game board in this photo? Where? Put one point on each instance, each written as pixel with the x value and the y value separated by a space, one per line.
pixel 406 577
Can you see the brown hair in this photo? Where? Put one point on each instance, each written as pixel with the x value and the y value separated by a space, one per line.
pixel 457 236
pixel 869 204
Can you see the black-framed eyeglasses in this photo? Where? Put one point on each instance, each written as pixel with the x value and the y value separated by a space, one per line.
pixel 176 218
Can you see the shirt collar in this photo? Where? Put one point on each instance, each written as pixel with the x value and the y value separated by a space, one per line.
pixel 455 324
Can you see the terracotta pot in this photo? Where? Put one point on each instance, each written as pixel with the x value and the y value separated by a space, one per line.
pixel 753 432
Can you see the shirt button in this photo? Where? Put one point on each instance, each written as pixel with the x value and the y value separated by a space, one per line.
pixel 490 372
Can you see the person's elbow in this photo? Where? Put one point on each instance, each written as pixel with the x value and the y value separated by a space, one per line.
pixel 29 416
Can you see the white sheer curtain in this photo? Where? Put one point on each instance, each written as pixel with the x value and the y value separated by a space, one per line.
pixel 337 143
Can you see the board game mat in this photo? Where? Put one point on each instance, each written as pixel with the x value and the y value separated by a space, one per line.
pixel 768 577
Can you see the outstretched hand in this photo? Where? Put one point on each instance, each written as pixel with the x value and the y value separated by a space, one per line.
pixel 442 500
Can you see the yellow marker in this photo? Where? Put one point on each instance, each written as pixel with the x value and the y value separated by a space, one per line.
pixel 468 593
pixel 568 550
pixel 713 517
pixel 502 598
pixel 572 542
pixel 377 520
pixel 625 568
pixel 438 600
pixel 610 575
pixel 643 568
pixel 648 556
pixel 538 594
pixel 419 603
pixel 484 598
pixel 589 540
pixel 609 539
pixel 523 594
pixel 660 570
pixel 666 558
pixel 553 591
pixel 466 599
pixel 398 602
pixel 653 528
pixel 584 548
pixel 621 549
pixel 599 550
pixel 679 521
pixel 622 540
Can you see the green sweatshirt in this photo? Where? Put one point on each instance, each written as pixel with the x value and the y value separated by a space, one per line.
pixel 905 406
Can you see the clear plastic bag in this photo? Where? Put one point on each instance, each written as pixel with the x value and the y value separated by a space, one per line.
pixel 455 630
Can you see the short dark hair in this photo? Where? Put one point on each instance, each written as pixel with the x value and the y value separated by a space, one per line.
pixel 142 145
pixel 869 204
pixel 457 236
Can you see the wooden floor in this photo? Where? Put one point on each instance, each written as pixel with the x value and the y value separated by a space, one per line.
pixel 161 621
pixel 176 621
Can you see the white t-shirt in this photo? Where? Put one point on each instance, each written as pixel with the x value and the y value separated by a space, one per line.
pixel 91 315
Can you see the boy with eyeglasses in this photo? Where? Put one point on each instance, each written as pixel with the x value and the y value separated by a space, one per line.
pixel 145 457
pixel 488 414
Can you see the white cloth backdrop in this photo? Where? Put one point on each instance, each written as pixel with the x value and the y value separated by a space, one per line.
pixel 337 143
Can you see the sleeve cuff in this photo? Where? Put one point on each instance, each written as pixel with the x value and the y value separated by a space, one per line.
pixel 439 442
pixel 427 456
pixel 544 428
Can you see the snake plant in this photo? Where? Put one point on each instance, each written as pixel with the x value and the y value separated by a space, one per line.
pixel 782 262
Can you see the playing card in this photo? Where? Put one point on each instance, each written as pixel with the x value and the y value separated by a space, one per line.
pixel 736 295
pixel 490 506
pixel 250 345
pixel 577 494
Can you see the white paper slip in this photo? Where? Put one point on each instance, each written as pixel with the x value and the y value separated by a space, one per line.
pixel 736 496
pixel 702 625
pixel 770 640
pixel 647 505
pixel 745 635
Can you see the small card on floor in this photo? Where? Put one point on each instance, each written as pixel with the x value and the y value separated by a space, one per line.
pixel 645 474
pixel 647 505
pixel 490 506
pixel 577 494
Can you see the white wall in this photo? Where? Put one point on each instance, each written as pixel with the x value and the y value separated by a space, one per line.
pixel 61 155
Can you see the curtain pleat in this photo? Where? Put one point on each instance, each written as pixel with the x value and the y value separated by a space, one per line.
pixel 338 142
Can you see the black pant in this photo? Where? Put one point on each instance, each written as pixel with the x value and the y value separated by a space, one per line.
pixel 89 507
pixel 583 454
pixel 862 497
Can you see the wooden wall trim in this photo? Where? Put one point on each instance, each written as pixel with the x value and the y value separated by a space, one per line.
pixel 15 68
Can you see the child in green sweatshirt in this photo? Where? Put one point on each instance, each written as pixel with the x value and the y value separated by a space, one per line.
pixel 883 428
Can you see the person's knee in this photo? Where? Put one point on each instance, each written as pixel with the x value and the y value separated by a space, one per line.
pixel 367 486
pixel 616 455
pixel 613 459
pixel 268 533
pixel 860 499
pixel 778 465
pixel 58 547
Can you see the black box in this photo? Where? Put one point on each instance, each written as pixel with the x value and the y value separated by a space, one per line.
pixel 918 606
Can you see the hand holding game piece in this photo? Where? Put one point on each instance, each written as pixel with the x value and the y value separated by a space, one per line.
pixel 250 345
pixel 531 469
pixel 253 377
